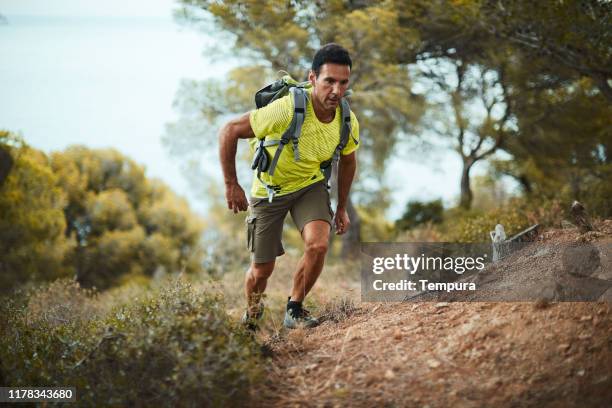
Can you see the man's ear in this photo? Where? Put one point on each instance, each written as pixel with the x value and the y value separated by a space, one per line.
pixel 312 77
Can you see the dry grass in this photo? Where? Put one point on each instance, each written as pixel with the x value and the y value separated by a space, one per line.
pixel 338 309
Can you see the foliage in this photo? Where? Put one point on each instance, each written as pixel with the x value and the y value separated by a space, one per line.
pixel 574 34
pixel 374 225
pixel 32 243
pixel 173 346
pixel 122 223
pixel 552 63
pixel 492 190
pixel 475 226
pixel 426 232
pixel 223 239
pixel 515 215
pixel 419 212
pixel 563 149
pixel 92 213
pixel 61 302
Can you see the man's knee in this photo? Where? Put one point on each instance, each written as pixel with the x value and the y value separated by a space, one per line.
pixel 316 247
pixel 262 270
pixel 316 237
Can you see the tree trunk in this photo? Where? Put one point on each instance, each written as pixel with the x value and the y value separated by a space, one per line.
pixel 79 272
pixel 6 163
pixel 603 85
pixel 525 183
pixel 351 240
pixel 575 183
pixel 466 189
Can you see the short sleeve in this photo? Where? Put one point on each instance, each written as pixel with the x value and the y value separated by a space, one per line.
pixel 353 142
pixel 273 118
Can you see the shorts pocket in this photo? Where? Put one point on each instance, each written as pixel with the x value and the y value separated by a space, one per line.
pixel 250 222
pixel 254 202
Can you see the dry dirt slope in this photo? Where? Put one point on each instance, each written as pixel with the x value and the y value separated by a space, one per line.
pixel 440 354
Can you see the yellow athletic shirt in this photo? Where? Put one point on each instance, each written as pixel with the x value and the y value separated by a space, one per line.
pixel 317 143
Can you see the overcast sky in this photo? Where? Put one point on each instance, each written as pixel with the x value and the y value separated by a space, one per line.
pixel 90 8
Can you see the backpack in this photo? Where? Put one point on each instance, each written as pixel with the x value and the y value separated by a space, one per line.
pixel 276 90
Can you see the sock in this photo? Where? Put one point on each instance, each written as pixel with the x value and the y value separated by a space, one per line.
pixel 292 305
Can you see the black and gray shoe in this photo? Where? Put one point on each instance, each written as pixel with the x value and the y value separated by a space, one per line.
pixel 252 322
pixel 297 316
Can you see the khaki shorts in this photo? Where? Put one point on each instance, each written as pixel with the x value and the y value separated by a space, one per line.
pixel 265 221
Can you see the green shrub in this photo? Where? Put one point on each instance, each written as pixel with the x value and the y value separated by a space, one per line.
pixel 62 301
pixel 474 226
pixel 32 225
pixel 174 346
pixel 420 212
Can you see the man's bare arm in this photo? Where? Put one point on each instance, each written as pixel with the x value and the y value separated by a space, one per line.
pixel 239 128
pixel 346 173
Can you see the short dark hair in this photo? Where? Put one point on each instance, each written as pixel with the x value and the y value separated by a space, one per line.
pixel 333 53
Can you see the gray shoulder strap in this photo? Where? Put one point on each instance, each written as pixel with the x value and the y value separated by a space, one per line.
pixel 294 129
pixel 345 128
pixel 299 114
pixel 345 131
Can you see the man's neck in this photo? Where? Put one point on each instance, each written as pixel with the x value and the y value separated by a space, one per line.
pixel 323 115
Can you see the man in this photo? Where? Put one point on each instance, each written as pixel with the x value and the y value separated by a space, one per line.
pixel 301 184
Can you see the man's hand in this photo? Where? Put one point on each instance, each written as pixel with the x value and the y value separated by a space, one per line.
pixel 235 197
pixel 341 221
pixel 239 128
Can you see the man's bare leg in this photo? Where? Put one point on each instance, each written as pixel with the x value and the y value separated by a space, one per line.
pixel 316 237
pixel 255 283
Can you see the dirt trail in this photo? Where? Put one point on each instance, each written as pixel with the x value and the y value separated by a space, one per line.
pixel 456 354
pixel 448 354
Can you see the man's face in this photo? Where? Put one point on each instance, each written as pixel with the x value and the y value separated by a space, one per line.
pixel 331 84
